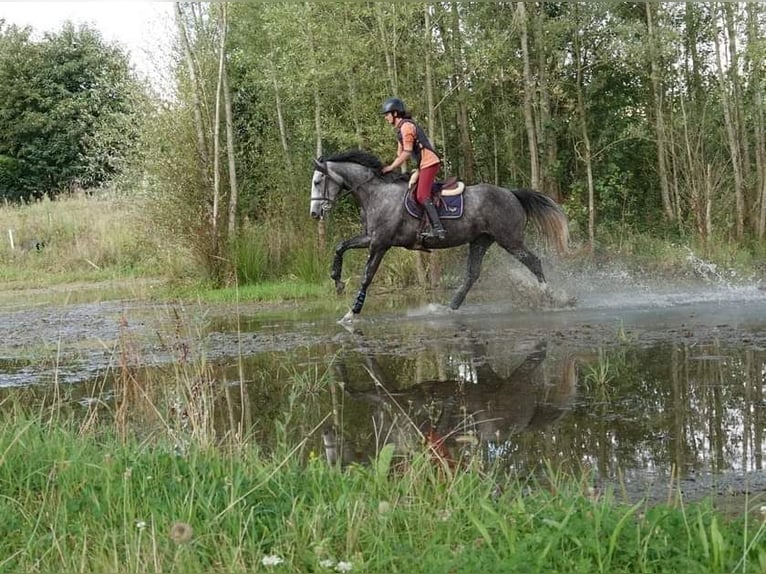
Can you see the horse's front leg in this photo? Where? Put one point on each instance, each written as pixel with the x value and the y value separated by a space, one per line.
pixel 373 261
pixel 357 242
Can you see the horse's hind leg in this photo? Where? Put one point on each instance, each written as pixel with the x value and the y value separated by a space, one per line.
pixel 529 259
pixel 476 251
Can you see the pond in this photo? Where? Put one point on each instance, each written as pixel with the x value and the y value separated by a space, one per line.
pixel 650 386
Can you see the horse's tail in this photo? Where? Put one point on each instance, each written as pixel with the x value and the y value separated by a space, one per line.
pixel 547 216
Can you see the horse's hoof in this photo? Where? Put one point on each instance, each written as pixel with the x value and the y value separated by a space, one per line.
pixel 348 318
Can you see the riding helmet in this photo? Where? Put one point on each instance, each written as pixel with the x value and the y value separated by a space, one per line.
pixel 393 105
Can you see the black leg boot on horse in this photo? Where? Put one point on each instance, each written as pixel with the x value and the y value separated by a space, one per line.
pixel 437 230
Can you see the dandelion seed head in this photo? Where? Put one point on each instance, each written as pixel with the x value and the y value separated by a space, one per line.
pixel 272 560
pixel 343 566
pixel 181 532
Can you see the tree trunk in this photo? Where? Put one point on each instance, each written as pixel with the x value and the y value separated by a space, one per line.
pixel 529 91
pixel 431 121
pixel 585 154
pixel 390 53
pixel 202 150
pixel 217 125
pixel 281 123
pixel 731 135
pixel 736 92
pixel 321 230
pixel 546 139
pixel 756 79
pixel 695 189
pixel 233 184
pixel 659 121
pixel 469 162
pixel 432 273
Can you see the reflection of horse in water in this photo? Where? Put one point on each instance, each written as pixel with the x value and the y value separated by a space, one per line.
pixel 457 417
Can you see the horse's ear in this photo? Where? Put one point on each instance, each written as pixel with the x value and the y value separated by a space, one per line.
pixel 320 167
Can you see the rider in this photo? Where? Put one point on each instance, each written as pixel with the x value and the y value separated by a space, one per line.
pixel 413 142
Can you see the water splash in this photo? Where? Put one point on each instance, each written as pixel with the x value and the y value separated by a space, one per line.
pixel 708 271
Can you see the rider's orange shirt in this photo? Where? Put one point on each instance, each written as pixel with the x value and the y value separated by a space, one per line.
pixel 409 136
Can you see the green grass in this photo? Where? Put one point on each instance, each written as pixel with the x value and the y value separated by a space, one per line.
pixel 78 498
pixel 271 291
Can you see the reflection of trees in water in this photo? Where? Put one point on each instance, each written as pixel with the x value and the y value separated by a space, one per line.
pixel 687 408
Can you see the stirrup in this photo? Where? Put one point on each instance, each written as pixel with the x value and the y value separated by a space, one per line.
pixel 434 234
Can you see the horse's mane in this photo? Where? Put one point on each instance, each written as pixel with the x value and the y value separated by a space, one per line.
pixel 366 159
pixel 359 156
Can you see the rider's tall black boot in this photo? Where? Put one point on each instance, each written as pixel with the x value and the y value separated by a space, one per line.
pixel 437 229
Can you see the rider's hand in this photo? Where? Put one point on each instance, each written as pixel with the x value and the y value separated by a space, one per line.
pixel 386 169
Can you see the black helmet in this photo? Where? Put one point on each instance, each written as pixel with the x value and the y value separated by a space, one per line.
pixel 393 105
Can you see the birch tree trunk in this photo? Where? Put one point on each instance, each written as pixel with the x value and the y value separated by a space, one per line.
pixel 233 184
pixel 546 141
pixel 281 122
pixel 756 79
pixel 469 162
pixel 731 136
pixel 659 121
pixel 217 125
pixel 736 90
pixel 585 154
pixel 202 150
pixel 389 52
pixel 321 230
pixel 430 126
pixel 431 274
pixel 529 90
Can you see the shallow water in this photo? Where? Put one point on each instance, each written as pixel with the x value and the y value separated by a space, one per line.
pixel 639 382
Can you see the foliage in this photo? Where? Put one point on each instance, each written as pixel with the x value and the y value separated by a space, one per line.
pixel 67 111
pixel 297 92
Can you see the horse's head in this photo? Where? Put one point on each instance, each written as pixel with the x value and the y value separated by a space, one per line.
pixel 326 184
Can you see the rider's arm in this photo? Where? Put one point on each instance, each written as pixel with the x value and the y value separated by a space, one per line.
pixel 400 160
pixel 404 148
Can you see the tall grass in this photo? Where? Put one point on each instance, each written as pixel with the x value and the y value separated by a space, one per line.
pixel 87 501
pixel 75 238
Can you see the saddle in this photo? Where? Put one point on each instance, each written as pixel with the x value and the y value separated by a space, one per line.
pixel 449 187
pixel 447 196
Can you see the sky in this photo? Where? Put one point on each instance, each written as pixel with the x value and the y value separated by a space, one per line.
pixel 142 27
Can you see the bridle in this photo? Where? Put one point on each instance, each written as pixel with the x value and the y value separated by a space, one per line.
pixel 322 168
pixel 344 188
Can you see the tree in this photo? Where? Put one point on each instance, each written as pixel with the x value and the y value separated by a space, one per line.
pixel 67 111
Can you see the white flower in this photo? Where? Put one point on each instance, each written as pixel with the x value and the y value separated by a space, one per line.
pixel 327 563
pixel 343 566
pixel 271 560
pixel 140 524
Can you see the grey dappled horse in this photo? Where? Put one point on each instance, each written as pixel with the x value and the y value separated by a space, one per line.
pixel 491 214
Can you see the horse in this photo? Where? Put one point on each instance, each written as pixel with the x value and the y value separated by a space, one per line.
pixel 491 214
